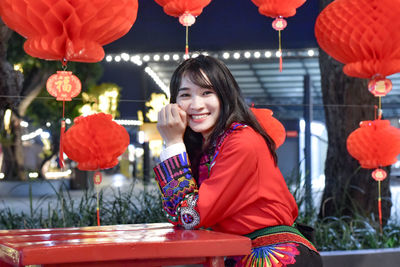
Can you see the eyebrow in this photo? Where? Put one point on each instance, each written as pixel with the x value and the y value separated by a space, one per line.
pixel 183 89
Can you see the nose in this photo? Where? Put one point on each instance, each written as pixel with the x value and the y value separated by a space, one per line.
pixel 197 103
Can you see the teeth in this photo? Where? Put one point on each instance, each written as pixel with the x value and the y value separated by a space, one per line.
pixel 197 117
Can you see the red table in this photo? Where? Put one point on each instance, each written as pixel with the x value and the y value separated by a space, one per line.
pixel 157 244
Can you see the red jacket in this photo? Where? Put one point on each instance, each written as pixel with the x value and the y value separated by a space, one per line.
pixel 245 191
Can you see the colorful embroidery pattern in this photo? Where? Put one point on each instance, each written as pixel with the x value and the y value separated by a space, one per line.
pixel 189 216
pixel 277 255
pixel 175 181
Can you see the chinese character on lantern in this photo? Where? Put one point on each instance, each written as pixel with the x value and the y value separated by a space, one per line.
pixel 63 85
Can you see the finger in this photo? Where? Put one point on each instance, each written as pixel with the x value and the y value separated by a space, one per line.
pixel 162 116
pixel 183 116
pixel 175 112
pixel 168 116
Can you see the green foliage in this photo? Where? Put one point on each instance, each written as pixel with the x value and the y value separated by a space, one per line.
pixel 119 208
pixel 345 233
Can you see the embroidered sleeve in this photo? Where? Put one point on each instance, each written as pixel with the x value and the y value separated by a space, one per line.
pixel 179 191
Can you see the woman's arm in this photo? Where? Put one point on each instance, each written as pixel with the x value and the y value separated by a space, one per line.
pixel 232 172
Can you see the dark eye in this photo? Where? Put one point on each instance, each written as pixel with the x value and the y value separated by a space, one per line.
pixel 208 92
pixel 184 95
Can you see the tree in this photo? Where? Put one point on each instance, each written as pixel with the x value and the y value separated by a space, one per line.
pixel 11 82
pixel 349 189
pixel 20 89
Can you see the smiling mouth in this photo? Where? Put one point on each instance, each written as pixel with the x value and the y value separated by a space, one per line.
pixel 198 117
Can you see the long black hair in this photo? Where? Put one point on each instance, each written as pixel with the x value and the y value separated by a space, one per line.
pixel 209 72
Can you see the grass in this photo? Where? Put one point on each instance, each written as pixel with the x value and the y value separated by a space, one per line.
pixel 117 208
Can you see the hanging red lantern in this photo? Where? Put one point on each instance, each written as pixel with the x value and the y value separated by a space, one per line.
pixel 375 144
pixel 97 178
pixel 63 85
pixel 95 142
pixel 380 86
pixel 69 30
pixel 362 34
pixel 271 125
pixel 186 11
pixel 177 8
pixel 379 175
pixel 278 9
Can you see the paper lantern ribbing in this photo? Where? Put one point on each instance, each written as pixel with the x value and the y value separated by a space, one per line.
pixel 69 30
pixel 271 125
pixel 95 142
pixel 375 144
pixel 278 8
pixel 362 34
pixel 176 8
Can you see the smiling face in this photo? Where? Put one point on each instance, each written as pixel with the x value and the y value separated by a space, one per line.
pixel 202 106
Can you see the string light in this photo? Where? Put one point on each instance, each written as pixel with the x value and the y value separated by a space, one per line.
pixel 146 58
pixel 140 59
pixel 125 56
pixel 157 80
pixel 175 57
pixel 129 122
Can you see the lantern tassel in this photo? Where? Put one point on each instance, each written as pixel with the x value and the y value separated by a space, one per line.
pixel 187 41
pixel 62 132
pixel 98 207
pixel 280 52
pixel 380 206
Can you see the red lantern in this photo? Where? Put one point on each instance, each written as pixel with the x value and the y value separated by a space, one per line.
pixel 187 19
pixel 69 30
pixel 375 144
pixel 278 9
pixel 63 85
pixel 380 86
pixel 279 24
pixel 97 178
pixel 379 175
pixel 95 142
pixel 362 34
pixel 186 10
pixel 272 126
pixel 177 8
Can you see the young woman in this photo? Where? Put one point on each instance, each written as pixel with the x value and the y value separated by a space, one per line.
pixel 219 168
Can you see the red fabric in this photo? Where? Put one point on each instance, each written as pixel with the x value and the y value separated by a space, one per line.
pixel 95 142
pixel 374 144
pixel 70 30
pixel 363 34
pixel 272 126
pixel 176 8
pixel 276 8
pixel 245 190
